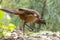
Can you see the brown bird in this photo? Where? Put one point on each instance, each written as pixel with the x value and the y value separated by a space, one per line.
pixel 27 16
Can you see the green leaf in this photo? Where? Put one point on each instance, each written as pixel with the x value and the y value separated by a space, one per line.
pixel 1 15
pixel 10 27
pixel 1 35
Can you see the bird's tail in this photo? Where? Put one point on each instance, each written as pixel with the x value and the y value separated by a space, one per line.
pixel 6 10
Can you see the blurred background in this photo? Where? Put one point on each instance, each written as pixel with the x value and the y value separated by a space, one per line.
pixel 51 13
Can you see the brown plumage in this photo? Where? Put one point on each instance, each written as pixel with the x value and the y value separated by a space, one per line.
pixel 27 15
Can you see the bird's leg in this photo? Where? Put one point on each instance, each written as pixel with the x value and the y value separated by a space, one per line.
pixel 24 28
pixel 39 28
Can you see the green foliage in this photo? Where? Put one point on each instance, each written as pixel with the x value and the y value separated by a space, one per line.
pixel 5 27
pixel 10 27
pixel 1 15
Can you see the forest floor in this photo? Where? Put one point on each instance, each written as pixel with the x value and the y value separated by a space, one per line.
pixel 44 35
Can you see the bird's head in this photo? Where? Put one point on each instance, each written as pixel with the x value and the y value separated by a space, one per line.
pixel 42 21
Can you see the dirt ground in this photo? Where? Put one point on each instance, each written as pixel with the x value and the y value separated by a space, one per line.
pixel 35 36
